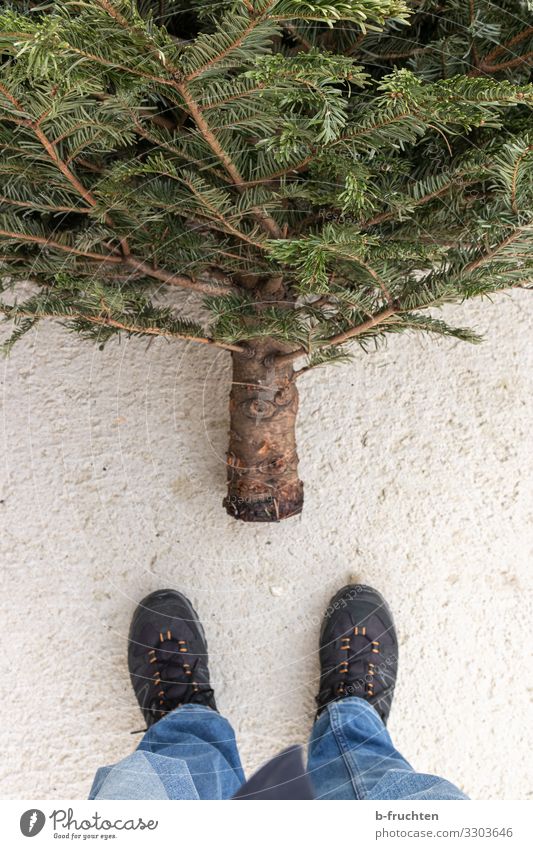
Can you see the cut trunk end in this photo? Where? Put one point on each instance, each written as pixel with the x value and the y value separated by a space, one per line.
pixel 263 482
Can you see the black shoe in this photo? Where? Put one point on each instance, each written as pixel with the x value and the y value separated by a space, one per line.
pixel 358 650
pixel 167 655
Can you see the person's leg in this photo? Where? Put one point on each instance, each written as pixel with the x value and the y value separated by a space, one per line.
pixel 191 753
pixel 188 750
pixel 351 754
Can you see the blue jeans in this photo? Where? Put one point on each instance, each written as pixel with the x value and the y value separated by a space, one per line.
pixel 192 754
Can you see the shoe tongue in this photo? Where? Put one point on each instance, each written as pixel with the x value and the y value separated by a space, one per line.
pixel 176 692
pixel 168 647
pixel 172 666
pixel 176 673
pixel 175 679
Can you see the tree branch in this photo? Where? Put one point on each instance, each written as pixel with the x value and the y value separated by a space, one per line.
pixel 185 281
pixel 517 164
pixel 201 285
pixel 224 223
pixel 142 131
pixel 493 251
pixel 503 66
pixel 360 328
pixel 341 337
pixel 392 56
pixel 103 321
pixel 265 220
pixel 51 150
pixel 501 48
pixel 125 24
pixel 82 210
pixel 254 21
pixel 71 177
pixel 50 243
pixel 490 254
pixel 386 216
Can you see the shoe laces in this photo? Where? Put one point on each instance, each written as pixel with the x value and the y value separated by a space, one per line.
pixel 174 681
pixel 355 675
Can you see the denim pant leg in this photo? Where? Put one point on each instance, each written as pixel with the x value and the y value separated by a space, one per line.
pixel 351 756
pixel 189 754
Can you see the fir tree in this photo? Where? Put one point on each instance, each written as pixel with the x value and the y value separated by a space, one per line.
pixel 320 173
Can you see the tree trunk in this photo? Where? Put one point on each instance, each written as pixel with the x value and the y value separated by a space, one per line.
pixel 263 483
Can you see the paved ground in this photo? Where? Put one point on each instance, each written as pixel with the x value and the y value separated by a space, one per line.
pixel 417 463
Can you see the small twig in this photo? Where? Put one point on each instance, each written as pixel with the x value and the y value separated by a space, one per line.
pixel 510 63
pixel 340 337
pixel 493 251
pixel 386 216
pixel 302 371
pixel 515 177
pixel 502 48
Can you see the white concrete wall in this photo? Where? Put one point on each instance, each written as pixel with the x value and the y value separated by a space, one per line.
pixel 417 464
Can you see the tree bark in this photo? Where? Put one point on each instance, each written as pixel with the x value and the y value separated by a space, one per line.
pixel 263 482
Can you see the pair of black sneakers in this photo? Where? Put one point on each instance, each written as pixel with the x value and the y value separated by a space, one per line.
pixel 168 653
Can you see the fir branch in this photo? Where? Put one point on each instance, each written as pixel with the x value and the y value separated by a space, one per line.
pixel 507 46
pixel 323 357
pixel 208 45
pixel 340 338
pixel 514 178
pixel 526 59
pixel 135 30
pixel 98 308
pixel 201 285
pixel 59 246
pixel 429 324
pixel 266 220
pixel 44 207
pixel 223 220
pixel 493 252
pixel 51 149
pixel 379 319
pixel 103 321
pixel 456 180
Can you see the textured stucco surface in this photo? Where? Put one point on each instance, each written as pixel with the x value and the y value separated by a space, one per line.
pixel 417 464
